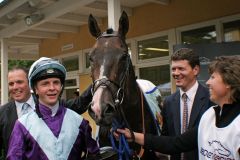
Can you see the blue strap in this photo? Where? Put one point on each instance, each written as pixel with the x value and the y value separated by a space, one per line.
pixel 123 150
pixel 151 91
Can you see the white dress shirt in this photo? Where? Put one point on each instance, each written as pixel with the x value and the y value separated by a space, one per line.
pixel 19 105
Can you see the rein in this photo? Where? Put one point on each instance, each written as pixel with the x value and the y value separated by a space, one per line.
pixel 118 97
pixel 141 152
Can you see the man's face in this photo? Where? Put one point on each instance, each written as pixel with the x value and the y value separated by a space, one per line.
pixel 183 74
pixel 48 91
pixel 18 85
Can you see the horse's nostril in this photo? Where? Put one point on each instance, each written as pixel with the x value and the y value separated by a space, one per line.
pixel 109 109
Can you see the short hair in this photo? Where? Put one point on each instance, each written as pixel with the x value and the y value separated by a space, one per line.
pixel 15 68
pixel 186 54
pixel 229 69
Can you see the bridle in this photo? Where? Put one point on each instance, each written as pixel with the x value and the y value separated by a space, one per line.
pixel 118 96
pixel 112 86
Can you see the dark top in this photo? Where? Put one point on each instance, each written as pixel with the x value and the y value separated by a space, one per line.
pixel 188 140
pixel 171 116
pixel 8 116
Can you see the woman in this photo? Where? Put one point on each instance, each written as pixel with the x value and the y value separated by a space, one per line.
pixel 218 134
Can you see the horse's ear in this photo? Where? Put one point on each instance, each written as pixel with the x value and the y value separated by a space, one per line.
pixel 93 26
pixel 123 24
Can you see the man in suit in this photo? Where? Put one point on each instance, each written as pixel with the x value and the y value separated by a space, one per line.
pixel 185 66
pixel 19 93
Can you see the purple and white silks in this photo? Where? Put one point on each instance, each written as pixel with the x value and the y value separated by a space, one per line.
pixel 63 136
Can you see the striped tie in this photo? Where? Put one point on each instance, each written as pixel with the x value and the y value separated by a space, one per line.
pixel 25 107
pixel 185 113
pixel 184 117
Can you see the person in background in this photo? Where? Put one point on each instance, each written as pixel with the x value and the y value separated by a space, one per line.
pixel 179 116
pixel 52 131
pixel 218 134
pixel 20 94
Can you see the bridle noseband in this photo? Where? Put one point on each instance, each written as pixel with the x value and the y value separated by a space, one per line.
pixel 117 96
pixel 116 89
pixel 113 86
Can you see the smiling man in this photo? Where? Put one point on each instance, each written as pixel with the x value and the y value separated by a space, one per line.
pixel 52 131
pixel 19 92
pixel 179 115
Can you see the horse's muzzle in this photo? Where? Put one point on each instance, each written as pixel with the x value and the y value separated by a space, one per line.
pixel 104 116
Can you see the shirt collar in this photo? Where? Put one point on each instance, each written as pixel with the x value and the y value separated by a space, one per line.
pixel 30 101
pixel 47 111
pixel 191 92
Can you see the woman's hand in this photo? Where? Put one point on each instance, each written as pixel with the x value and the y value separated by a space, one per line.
pixel 126 132
pixel 139 137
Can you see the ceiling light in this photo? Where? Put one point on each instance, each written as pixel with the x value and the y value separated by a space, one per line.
pixel 33 19
pixel 157 49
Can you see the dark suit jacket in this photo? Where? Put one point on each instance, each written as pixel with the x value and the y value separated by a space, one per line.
pixel 8 116
pixel 171 116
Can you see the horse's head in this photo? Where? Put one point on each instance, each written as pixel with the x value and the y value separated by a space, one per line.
pixel 110 64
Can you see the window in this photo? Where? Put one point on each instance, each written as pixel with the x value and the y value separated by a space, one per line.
pixel 159 75
pixel 200 35
pixel 71 63
pixel 87 65
pixel 153 48
pixel 231 31
pixel 71 85
pixel 70 82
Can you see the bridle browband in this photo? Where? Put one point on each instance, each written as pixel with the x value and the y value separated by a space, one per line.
pixel 113 86
pixel 118 96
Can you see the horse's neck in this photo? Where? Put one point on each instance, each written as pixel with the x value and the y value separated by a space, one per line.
pixel 132 92
pixel 132 105
pixel 136 103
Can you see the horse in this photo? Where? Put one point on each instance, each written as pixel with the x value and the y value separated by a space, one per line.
pixel 116 94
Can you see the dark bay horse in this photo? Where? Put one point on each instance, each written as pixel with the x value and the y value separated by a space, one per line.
pixel 116 94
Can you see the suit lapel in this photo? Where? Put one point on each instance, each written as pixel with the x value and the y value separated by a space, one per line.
pixel 199 102
pixel 176 113
pixel 12 116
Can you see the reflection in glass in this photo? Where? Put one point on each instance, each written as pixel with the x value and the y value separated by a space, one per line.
pixel 231 31
pixel 200 35
pixel 153 48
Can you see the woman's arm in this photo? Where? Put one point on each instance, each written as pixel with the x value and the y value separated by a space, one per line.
pixel 164 144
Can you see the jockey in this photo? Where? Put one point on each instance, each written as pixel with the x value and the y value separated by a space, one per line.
pixel 52 131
